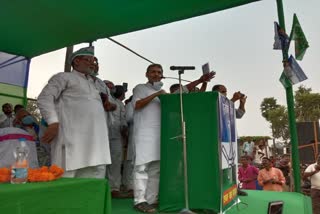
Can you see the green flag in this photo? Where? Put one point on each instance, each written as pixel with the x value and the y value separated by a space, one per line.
pixel 300 41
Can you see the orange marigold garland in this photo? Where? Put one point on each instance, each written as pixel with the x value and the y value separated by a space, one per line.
pixel 35 175
pixel 45 174
pixel 5 175
pixel 56 171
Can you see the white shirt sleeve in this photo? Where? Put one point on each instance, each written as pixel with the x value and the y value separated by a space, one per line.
pixel 310 168
pixel 138 94
pixel 49 95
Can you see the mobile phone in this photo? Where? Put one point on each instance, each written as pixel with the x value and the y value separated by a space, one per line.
pixel 205 68
pixel 125 86
pixel 275 207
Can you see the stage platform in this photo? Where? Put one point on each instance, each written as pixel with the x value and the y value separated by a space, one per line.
pixel 255 203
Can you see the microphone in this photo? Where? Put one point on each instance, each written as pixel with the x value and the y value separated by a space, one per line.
pixel 182 68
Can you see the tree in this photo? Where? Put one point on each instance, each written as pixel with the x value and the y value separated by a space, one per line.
pixel 268 104
pixel 277 115
pixel 307 105
pixel 279 122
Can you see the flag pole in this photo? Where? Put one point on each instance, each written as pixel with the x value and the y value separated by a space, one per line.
pixel 291 113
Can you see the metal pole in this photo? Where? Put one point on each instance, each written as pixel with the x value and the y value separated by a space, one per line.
pixel 291 113
pixel 184 142
pixel 67 65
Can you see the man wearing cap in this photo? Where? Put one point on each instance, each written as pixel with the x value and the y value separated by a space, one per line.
pixel 71 105
pixel 147 139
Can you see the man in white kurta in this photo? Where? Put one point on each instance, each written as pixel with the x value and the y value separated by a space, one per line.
pixel 116 130
pixel 72 107
pixel 147 139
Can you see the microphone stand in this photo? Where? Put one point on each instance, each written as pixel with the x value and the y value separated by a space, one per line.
pixel 174 78
pixel 184 142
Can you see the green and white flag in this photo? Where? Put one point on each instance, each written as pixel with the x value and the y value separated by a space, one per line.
pixel 300 41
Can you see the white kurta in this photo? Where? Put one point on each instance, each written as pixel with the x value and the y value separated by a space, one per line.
pixel 73 100
pixel 146 123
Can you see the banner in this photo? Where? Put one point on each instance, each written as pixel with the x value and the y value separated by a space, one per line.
pixel 281 39
pixel 294 72
pixel 300 42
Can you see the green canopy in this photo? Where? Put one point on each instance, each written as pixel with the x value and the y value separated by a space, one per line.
pixel 33 27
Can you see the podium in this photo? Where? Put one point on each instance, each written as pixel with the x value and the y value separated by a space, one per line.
pixel 211 152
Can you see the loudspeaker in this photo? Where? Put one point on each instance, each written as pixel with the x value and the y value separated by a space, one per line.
pixel 306 132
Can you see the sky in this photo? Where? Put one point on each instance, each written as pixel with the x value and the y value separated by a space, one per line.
pixel 237 43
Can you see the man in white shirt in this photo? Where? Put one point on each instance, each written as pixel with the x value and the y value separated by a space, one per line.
pixel 248 148
pixel 71 105
pixel 259 153
pixel 312 171
pixel 147 139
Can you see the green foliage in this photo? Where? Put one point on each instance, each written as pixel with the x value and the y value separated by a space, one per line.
pixel 268 104
pixel 277 115
pixel 307 108
pixel 307 105
pixel 279 122
pixel 254 138
pixel 33 109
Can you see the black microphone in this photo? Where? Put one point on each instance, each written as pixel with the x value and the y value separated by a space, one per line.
pixel 182 68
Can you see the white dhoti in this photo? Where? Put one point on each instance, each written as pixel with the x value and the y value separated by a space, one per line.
pixel 146 182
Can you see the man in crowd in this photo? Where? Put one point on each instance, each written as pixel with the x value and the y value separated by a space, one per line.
pixel 312 172
pixel 259 153
pixel 7 117
pixel 248 147
pixel 270 178
pixel 247 174
pixel 284 166
pixel 240 111
pixel 147 139
pixel 71 105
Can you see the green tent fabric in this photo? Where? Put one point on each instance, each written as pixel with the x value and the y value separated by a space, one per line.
pixel 31 28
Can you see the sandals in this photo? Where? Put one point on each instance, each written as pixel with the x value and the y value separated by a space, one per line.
pixel 144 207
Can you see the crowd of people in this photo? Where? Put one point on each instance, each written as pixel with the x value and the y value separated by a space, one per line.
pixel 268 174
pixel 91 131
